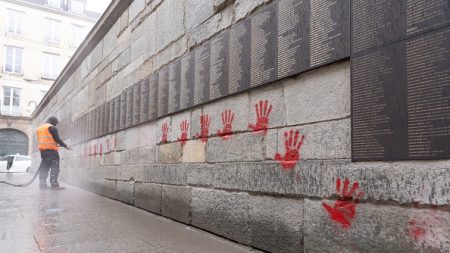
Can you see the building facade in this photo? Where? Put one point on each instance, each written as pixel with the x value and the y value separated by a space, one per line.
pixel 37 39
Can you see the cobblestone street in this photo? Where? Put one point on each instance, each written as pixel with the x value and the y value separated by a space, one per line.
pixel 75 220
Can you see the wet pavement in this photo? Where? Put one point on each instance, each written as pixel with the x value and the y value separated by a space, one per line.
pixel 74 220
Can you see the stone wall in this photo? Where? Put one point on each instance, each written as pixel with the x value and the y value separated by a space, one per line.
pixel 241 186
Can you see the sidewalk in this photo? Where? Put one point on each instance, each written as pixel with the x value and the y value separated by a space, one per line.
pixel 74 220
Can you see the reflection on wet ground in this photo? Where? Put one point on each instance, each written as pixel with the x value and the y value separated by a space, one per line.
pixel 75 220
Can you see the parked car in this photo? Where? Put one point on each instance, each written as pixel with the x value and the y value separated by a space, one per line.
pixel 15 163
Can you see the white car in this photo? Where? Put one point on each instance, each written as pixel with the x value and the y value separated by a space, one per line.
pixel 17 163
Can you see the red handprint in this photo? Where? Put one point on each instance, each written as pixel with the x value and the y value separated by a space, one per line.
pixel 184 125
pixel 85 152
pixel 95 150
pixel 344 209
pixel 292 145
pixel 262 117
pixel 204 124
pixel 165 130
pixel 227 120
pixel 100 149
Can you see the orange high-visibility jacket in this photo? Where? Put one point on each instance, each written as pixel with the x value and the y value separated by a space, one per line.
pixel 45 138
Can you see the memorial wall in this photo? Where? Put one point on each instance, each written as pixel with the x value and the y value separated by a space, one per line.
pixel 400 80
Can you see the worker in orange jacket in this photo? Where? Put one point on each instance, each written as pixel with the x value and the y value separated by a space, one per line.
pixel 48 144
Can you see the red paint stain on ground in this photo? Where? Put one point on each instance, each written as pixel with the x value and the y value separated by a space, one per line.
pixel 227 121
pixel 184 126
pixel 263 111
pixel 292 145
pixel 344 209
pixel 204 125
pixel 165 130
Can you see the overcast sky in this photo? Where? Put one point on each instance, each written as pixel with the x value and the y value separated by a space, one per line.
pixel 97 5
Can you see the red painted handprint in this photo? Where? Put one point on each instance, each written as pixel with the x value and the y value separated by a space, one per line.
pixel 204 124
pixel 165 130
pixel 344 209
pixel 227 120
pixel 293 145
pixel 184 125
pixel 100 150
pixel 262 117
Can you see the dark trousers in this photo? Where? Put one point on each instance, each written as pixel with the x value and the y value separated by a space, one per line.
pixel 50 162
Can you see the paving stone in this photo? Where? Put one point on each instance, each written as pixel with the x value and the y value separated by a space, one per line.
pixel 148 197
pixel 175 203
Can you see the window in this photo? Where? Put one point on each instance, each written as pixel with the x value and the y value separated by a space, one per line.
pixel 78 35
pixel 11 101
pixel 54 3
pixel 77 6
pixel 50 66
pixel 52 32
pixel 14 22
pixel 13 60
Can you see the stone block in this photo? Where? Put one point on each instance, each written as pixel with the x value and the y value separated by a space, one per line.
pixel 174 174
pixel 201 175
pixel 212 26
pixel 175 127
pixel 124 21
pixel 153 173
pixel 148 134
pixel 110 40
pixel 241 147
pixel 138 47
pixel 125 192
pixel 172 52
pixel 244 7
pixel 271 143
pixel 273 94
pixel 277 224
pixel 175 203
pixel 109 189
pixel 170 27
pixel 121 141
pixel 221 4
pixel 197 11
pixel 148 155
pixel 223 213
pixel 376 228
pixel 124 58
pixel 170 153
pixel 136 7
pixel 238 104
pixel 148 197
pixel 327 140
pixel 318 95
pixel 131 173
pixel 97 55
pixel 194 152
pixel 132 137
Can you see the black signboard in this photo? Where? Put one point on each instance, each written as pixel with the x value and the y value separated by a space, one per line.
pixel 264 48
pixel 130 104
pixel 400 80
pixel 145 103
pixel 117 114
pixel 163 91
pixel 187 81
pixel 174 86
pixel 112 114
pixel 123 110
pixel 330 31
pixel 239 58
pixel 293 37
pixel 137 103
pixel 106 119
pixel 153 96
pixel 201 74
pixel 219 66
